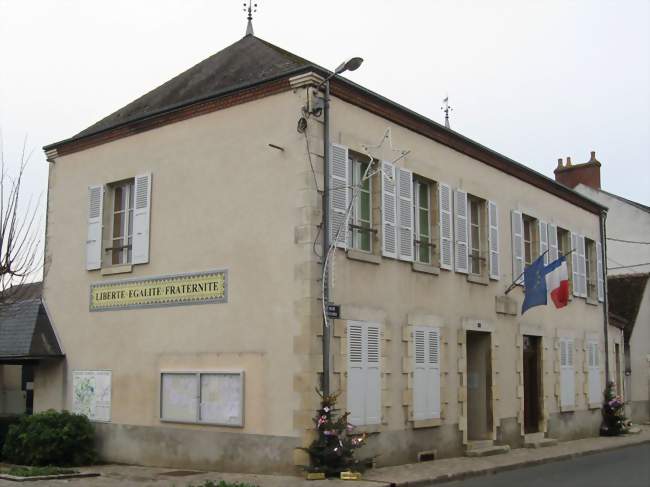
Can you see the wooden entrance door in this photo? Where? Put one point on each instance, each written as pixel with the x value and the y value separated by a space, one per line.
pixel 532 386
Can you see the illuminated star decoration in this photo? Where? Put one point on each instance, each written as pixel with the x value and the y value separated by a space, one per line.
pixel 388 136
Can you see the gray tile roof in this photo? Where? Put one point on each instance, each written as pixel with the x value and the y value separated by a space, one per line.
pixel 248 61
pixel 26 331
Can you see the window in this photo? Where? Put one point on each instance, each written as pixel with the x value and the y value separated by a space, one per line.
pixel 425 241
pixel 364 373
pixel 590 268
pixel 361 224
pixel 567 374
pixel 202 397
pixel 121 249
pixel 426 373
pixel 529 238
pixel 593 374
pixel 475 235
pixel 123 209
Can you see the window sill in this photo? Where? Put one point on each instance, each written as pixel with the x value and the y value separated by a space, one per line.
pixel 426 268
pixel 592 301
pixel 363 256
pixel 567 409
pixel 117 269
pixel 483 280
pixel 594 406
pixel 427 423
pixel 368 428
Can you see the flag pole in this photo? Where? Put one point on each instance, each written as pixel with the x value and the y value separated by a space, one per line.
pixel 514 283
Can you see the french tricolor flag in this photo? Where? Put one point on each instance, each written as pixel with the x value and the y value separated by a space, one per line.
pixel 557 282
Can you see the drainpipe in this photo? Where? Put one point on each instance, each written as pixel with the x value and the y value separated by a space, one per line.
pixel 326 236
pixel 603 249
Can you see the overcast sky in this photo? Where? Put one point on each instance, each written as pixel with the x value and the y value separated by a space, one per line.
pixel 534 80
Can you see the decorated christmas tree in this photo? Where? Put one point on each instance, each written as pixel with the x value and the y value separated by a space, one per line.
pixel 614 422
pixel 332 452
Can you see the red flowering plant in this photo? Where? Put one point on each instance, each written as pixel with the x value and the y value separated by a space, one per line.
pixel 332 451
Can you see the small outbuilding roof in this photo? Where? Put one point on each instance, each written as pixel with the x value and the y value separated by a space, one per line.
pixel 26 332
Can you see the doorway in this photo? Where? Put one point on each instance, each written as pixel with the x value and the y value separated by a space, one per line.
pixel 532 383
pixel 479 386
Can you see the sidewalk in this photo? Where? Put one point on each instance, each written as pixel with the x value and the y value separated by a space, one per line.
pixel 411 475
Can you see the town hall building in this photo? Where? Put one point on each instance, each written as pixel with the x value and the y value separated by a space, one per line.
pixel 184 264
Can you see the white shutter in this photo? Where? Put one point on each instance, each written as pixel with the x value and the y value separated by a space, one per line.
pixel 420 374
pixel 599 272
pixel 567 374
pixel 373 374
pixel 426 373
pixel 461 231
pixel 94 236
pixel 543 240
pixel 575 274
pixel 446 235
pixel 582 271
pixel 493 239
pixel 433 392
pixel 517 246
pixel 339 196
pixel 141 219
pixel 389 211
pixel 594 373
pixel 356 373
pixel 552 243
pixel 405 214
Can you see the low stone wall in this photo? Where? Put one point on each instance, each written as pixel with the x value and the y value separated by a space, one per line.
pixel 399 447
pixel 574 425
pixel 195 449
pixel 640 411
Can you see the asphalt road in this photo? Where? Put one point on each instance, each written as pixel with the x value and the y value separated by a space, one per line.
pixel 624 467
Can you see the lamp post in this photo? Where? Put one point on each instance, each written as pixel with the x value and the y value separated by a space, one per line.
pixel 348 65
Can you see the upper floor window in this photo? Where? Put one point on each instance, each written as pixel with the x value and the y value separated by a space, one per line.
pixel 476 234
pixel 121 251
pixel 590 268
pixel 361 221
pixel 118 223
pixel 529 240
pixel 425 241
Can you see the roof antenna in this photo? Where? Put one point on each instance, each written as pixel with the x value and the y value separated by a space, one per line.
pixel 446 108
pixel 251 8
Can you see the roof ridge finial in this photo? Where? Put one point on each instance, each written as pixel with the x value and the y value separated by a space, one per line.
pixel 446 108
pixel 251 8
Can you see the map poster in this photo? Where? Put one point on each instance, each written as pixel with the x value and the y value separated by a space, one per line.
pixel 91 394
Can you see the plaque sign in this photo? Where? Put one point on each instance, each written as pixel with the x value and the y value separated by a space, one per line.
pixel 175 290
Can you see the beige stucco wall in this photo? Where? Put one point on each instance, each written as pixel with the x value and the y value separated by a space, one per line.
pixel 12 397
pixel 221 199
pixel 394 290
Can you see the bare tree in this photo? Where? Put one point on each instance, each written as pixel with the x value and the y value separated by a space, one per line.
pixel 19 232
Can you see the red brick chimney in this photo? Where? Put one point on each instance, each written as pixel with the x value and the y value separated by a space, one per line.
pixel 573 174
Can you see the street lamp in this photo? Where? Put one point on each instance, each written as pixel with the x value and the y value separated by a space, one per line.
pixel 349 65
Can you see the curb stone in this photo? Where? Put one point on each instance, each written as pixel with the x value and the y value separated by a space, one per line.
pixel 513 466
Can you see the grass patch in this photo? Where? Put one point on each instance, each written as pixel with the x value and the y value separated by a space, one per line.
pixel 222 483
pixel 37 471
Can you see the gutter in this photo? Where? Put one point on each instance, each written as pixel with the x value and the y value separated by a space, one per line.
pixel 603 250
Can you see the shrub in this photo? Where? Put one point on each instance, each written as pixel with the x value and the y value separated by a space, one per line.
pixel 5 422
pixel 51 438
